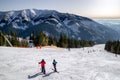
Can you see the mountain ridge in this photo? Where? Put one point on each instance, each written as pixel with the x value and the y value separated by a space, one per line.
pixel 53 23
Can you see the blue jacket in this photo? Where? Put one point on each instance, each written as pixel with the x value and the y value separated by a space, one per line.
pixel 54 62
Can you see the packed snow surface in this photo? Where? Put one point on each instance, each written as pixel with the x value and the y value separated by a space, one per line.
pixel 89 63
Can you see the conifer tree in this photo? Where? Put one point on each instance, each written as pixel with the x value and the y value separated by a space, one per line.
pixel 1 40
pixel 14 40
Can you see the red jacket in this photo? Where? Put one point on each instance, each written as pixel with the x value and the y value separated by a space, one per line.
pixel 42 63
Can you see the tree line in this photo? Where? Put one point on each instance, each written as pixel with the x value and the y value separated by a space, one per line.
pixel 63 41
pixel 42 39
pixel 113 46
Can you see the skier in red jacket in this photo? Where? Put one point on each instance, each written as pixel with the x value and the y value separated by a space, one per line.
pixel 43 66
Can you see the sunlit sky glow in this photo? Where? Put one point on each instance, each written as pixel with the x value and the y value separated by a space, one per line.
pixel 88 8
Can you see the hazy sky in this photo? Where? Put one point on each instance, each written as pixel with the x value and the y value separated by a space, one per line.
pixel 89 8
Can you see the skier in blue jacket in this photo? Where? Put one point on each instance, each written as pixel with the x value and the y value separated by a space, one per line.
pixel 54 65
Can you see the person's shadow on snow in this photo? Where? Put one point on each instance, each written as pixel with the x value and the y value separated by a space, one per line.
pixel 35 75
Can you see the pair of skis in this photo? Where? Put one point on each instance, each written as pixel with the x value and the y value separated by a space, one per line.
pixel 55 71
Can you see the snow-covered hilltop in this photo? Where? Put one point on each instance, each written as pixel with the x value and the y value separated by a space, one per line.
pixel 90 63
pixel 53 23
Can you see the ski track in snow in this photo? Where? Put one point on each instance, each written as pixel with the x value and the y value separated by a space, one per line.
pixel 89 63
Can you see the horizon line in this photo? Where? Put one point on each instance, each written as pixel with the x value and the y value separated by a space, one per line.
pixel 93 17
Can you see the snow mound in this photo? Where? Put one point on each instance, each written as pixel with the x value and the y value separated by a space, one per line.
pixel 89 63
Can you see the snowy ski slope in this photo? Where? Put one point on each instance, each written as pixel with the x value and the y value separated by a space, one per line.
pixel 90 63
